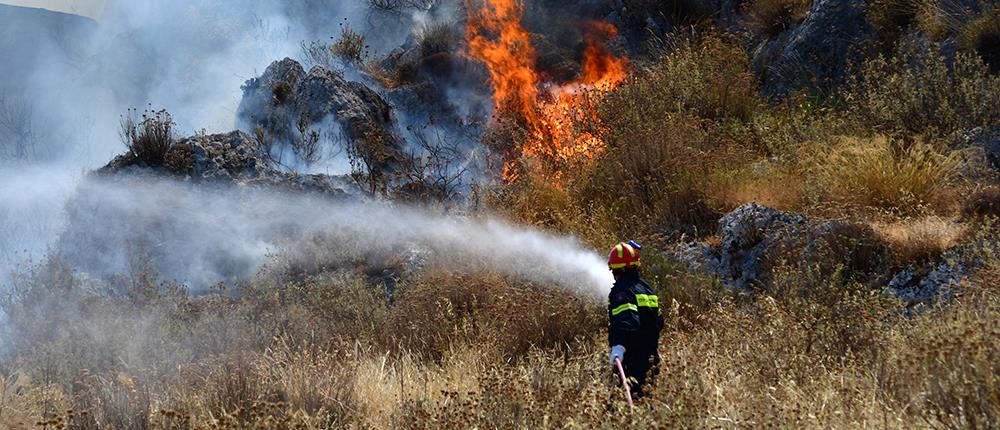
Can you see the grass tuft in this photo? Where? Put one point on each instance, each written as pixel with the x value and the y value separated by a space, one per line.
pixel 886 174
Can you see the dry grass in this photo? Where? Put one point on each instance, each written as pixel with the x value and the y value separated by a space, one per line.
pixel 326 337
pixel 836 357
pixel 921 239
pixel 765 182
pixel 769 18
pixel 878 173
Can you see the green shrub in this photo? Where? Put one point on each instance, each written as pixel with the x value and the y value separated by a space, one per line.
pixel 709 79
pixel 916 92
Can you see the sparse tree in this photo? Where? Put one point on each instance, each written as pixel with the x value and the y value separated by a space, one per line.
pixel 306 144
pixel 367 157
pixel 18 134
pixel 435 169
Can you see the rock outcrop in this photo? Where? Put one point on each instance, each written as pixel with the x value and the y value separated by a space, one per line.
pixel 285 97
pixel 987 139
pixel 228 158
pixel 757 240
pixel 747 234
pixel 818 52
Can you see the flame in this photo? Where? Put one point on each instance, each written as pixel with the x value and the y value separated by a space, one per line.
pixel 549 111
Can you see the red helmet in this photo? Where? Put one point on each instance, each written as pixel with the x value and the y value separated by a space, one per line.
pixel 622 256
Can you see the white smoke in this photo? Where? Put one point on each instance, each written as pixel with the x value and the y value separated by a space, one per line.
pixel 202 235
pixel 191 57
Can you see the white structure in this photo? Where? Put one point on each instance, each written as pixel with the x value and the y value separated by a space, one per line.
pixel 92 9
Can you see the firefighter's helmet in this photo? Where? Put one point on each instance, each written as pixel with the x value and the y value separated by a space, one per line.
pixel 624 255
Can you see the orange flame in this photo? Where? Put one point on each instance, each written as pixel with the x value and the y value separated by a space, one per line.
pixel 549 111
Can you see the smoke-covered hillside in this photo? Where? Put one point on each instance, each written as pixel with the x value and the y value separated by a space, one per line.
pixel 395 213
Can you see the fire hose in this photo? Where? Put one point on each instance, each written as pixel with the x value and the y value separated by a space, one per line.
pixel 628 390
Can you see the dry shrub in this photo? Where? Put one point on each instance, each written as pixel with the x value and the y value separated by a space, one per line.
pixel 350 46
pixel 664 139
pixel 148 138
pixel 878 173
pixel 984 202
pixel 442 309
pixel 917 92
pixel 652 181
pixel 538 201
pixel 768 18
pixel 921 239
pixel 337 306
pixel 811 262
pixel 976 27
pixel 437 37
pixel 686 296
pixel 180 158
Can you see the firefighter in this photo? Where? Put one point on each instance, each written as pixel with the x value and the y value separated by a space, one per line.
pixel 634 318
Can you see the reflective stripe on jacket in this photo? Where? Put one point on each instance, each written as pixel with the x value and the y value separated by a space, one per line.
pixel 634 315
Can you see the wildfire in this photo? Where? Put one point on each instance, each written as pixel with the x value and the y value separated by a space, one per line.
pixel 548 110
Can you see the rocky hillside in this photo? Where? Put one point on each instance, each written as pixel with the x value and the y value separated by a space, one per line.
pixel 412 235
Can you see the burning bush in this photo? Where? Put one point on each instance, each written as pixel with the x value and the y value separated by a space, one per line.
pixel 546 117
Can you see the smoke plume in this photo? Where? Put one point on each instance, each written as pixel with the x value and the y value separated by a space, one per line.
pixel 202 236
pixel 76 77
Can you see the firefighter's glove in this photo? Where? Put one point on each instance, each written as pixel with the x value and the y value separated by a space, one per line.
pixel 618 352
